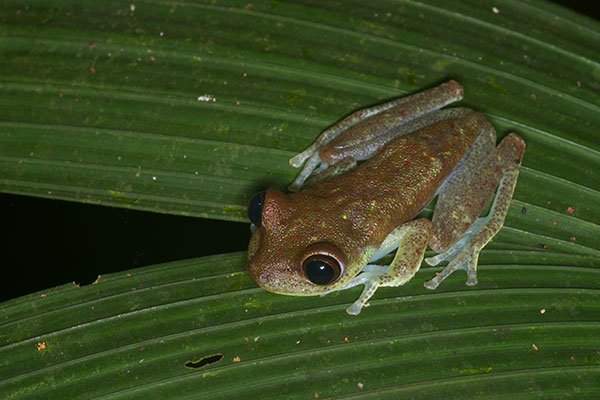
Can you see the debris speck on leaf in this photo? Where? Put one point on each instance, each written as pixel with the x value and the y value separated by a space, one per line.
pixel 206 97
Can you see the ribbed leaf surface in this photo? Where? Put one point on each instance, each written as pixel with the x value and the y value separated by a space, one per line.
pixel 191 107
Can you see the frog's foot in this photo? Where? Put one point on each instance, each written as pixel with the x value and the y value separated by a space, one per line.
pixel 463 255
pixel 311 165
pixel 371 278
pixel 411 240
pixel 369 273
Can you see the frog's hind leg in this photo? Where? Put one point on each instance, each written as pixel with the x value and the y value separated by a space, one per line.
pixel 363 148
pixel 424 101
pixel 360 135
pixel 458 235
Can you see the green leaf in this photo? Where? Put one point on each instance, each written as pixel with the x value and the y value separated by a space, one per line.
pixel 191 107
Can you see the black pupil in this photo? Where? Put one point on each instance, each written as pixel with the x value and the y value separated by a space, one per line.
pixel 255 208
pixel 319 272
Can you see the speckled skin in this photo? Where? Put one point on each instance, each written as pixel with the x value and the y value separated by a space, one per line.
pixel 348 216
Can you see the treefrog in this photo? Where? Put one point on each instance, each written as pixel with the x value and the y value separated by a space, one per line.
pixel 342 217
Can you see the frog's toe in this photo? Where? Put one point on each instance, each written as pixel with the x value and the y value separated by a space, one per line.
pixel 465 259
pixel 368 291
pixel 435 260
pixel 312 163
pixel 432 283
pixel 354 309
pixel 472 281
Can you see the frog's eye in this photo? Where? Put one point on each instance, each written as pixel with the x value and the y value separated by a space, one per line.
pixel 321 269
pixel 255 208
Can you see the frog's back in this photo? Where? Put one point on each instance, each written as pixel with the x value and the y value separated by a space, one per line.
pixel 394 185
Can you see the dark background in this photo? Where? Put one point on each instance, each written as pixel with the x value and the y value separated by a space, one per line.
pixel 51 242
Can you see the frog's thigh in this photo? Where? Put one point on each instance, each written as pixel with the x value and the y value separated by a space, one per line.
pixel 500 168
pixel 413 237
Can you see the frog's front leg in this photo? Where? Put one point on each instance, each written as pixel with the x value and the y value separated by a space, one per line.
pixel 362 134
pixel 411 239
pixel 457 232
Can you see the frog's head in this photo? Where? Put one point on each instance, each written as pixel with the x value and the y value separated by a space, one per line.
pixel 297 248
